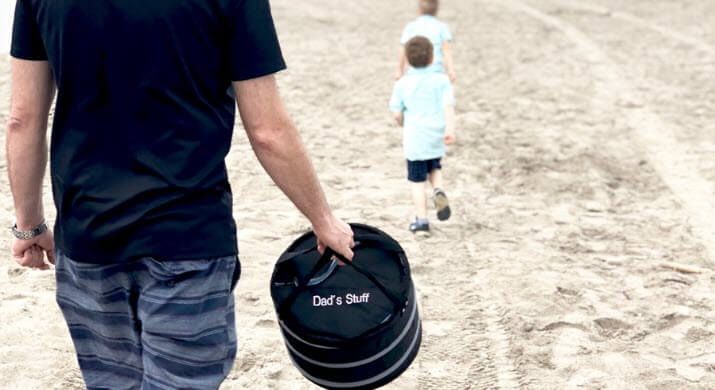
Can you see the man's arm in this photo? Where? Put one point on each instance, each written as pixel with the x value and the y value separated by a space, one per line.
pixel 448 60
pixel 32 92
pixel 279 148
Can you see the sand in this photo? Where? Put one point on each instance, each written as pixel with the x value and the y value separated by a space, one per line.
pixel 584 161
pixel 7 10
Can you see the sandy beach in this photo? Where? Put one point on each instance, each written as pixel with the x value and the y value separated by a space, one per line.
pixel 585 163
pixel 7 9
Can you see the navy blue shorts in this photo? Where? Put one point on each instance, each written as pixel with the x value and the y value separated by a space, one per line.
pixel 417 171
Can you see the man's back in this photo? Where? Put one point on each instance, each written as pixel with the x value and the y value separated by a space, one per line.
pixel 143 118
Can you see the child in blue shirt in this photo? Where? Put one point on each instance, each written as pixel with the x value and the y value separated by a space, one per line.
pixel 423 103
pixel 427 25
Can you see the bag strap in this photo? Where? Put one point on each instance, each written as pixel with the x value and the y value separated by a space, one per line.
pixel 369 239
pixel 361 239
pixel 293 254
pixel 302 284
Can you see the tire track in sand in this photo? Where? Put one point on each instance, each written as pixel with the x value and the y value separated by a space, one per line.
pixel 504 373
pixel 467 349
pixel 668 157
pixel 507 377
pixel 626 17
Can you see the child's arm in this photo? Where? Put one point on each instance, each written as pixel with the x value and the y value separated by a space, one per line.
pixel 450 136
pixel 399 117
pixel 397 105
pixel 401 62
pixel 448 62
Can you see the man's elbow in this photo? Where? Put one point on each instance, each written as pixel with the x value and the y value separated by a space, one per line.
pixel 264 139
pixel 19 122
pixel 268 138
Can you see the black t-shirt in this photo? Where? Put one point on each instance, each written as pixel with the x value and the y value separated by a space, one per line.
pixel 144 119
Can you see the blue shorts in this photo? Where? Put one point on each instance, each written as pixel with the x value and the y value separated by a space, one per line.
pixel 417 171
pixel 150 324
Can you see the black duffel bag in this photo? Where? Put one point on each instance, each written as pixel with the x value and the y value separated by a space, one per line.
pixel 348 327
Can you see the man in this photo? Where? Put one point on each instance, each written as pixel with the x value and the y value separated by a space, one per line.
pixel 146 251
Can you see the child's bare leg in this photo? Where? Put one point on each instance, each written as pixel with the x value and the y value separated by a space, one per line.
pixel 420 199
pixel 435 178
pixel 440 198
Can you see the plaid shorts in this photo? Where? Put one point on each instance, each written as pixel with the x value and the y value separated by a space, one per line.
pixel 417 171
pixel 150 324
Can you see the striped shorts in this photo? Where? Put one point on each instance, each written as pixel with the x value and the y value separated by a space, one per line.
pixel 149 324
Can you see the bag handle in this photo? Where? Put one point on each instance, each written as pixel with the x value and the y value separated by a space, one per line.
pixel 293 254
pixel 361 239
pixel 328 254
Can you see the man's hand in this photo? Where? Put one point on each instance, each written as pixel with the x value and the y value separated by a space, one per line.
pixel 31 253
pixel 336 235
pixel 452 76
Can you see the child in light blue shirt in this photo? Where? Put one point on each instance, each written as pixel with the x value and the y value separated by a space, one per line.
pixel 427 25
pixel 423 103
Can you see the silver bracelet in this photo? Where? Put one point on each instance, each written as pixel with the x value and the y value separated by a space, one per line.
pixel 30 234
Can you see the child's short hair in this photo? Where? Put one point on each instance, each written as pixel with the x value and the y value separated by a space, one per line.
pixel 419 52
pixel 429 7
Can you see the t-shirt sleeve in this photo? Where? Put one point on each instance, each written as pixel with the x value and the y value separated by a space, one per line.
pixel 27 42
pixel 253 42
pixel 445 33
pixel 448 93
pixel 397 104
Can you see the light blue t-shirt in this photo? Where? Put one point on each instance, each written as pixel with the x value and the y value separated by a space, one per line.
pixel 421 95
pixel 431 28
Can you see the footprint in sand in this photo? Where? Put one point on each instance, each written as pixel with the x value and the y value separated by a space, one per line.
pixel 698 334
pixel 670 320
pixel 265 323
pixel 611 327
pixel 421 269
pixel 15 297
pixel 250 298
pixel 15 272
pixel 71 381
pixel 562 324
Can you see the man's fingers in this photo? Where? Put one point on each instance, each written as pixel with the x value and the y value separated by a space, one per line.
pixel 50 256
pixel 321 247
pixel 347 252
pixel 20 247
pixel 32 257
pixel 27 258
pixel 23 260
pixel 31 253
pixel 38 258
